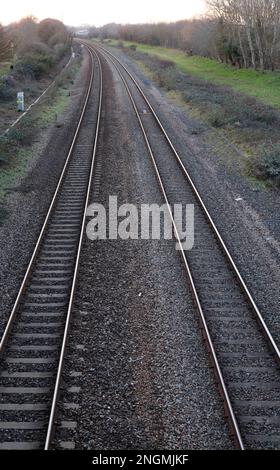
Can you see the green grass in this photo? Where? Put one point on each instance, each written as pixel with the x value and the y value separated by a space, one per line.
pixel 263 86
pixel 50 113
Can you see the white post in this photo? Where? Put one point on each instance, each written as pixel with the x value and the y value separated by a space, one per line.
pixel 20 101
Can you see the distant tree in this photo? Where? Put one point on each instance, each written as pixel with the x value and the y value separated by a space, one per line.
pixel 52 31
pixel 24 31
pixel 92 32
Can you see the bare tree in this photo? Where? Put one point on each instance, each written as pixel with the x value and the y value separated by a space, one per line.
pixel 257 23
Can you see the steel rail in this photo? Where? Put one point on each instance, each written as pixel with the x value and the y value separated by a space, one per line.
pixel 46 221
pixel 261 321
pixel 218 373
pixel 69 311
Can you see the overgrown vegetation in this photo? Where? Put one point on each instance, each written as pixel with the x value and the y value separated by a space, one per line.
pixel 264 87
pixel 7 89
pixel 266 165
pixel 37 52
pixel 244 121
pixel 14 144
pixel 17 146
pixel 33 49
pixel 39 45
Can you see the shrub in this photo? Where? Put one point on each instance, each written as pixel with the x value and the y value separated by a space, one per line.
pixel 60 50
pixel 164 73
pixel 217 117
pixel 35 60
pixel 24 132
pixel 34 48
pixel 166 79
pixel 265 116
pixel 267 164
pixel 165 64
pixel 34 65
pixel 7 91
pixel 52 31
pixel 133 47
pixel 3 159
pixel 58 38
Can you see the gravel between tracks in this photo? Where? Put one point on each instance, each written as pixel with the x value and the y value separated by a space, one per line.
pixel 135 348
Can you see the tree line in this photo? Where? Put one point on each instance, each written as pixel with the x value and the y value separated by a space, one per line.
pixel 243 33
pixel 248 31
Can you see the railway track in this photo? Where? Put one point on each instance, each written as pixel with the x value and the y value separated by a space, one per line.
pixel 243 354
pixel 34 342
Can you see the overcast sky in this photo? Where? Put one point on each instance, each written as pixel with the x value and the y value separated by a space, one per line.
pixel 101 12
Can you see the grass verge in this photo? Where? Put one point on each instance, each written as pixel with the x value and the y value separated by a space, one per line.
pixel 17 148
pixel 263 86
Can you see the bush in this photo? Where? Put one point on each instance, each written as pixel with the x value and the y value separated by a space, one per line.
pixel 35 59
pixel 265 116
pixel 164 64
pixel 61 50
pixel 24 132
pixel 52 31
pixel 217 117
pixel 7 91
pixel 3 159
pixel 34 65
pixel 166 79
pixel 31 48
pixel 165 74
pixel 58 38
pixel 267 164
pixel 133 47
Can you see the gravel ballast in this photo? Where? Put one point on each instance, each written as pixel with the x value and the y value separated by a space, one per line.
pixel 135 351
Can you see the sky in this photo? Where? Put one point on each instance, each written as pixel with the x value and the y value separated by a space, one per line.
pixel 101 12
